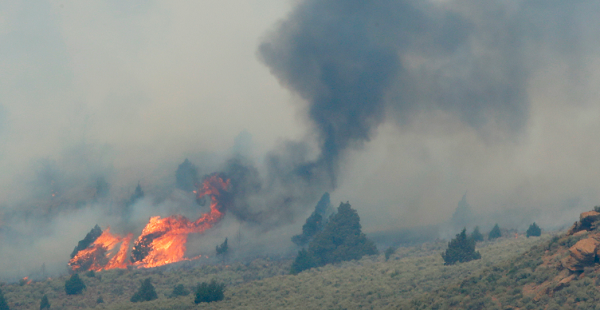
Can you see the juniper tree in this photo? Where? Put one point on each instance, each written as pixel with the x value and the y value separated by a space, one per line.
pixel 460 249
pixel 3 304
pixel 44 304
pixel 145 293
pixel 534 230
pixel 495 233
pixel 74 285
pixel 476 234
pixel 209 292
pixel 223 248
pixel 340 240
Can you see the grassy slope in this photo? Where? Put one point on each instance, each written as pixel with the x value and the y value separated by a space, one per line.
pixel 528 281
pixel 371 283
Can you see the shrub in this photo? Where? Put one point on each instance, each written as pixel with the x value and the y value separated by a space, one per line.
pixel 460 249
pixel 179 290
pixel 90 274
pixel 100 300
pixel 476 234
pixel 534 230
pixel 145 293
pixel 44 304
pixel 495 233
pixel 3 304
pixel 389 252
pixel 74 285
pixel 209 292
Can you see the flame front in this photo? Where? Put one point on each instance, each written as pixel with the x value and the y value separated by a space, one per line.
pixel 163 240
pixel 98 255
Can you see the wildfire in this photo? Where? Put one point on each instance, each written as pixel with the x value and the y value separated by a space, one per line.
pixel 163 240
pixel 98 255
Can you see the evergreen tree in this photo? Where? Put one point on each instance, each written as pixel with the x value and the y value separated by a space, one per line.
pixel 534 230
pixel 140 249
pixel 88 240
pixel 460 249
pixel 340 240
pixel 209 292
pixel 100 300
pixel 303 261
pixel 179 290
pixel 313 225
pixel 3 304
pixel 315 222
pixel 222 249
pixel 145 293
pixel 476 234
pixel 495 233
pixel 389 252
pixel 137 195
pixel 44 304
pixel 186 176
pixel 74 285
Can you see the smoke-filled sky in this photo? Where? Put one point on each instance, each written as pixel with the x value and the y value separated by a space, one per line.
pixel 399 107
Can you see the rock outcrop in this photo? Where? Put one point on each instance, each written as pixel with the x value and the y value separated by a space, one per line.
pixel 586 251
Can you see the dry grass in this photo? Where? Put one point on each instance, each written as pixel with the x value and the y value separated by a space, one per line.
pixel 370 283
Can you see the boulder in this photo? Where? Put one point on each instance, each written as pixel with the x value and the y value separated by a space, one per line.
pixel 585 250
pixel 583 254
pixel 588 219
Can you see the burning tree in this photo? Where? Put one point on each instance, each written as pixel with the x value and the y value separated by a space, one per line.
pixel 340 240
pixel 88 240
pixel 163 240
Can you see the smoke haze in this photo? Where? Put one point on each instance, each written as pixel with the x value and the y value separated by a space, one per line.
pixel 396 106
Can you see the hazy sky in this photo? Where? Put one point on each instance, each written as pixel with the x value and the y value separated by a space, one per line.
pixel 134 87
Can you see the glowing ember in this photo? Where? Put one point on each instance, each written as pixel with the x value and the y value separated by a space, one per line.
pixel 163 240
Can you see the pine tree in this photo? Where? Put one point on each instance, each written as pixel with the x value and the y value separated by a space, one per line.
pixel 44 304
pixel 476 234
pixel 209 292
pixel 460 249
pixel 495 233
pixel 3 304
pixel 534 230
pixel 179 290
pixel 145 293
pixel 74 285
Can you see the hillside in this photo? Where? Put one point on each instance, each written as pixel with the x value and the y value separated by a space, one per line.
pixel 560 273
pixel 370 283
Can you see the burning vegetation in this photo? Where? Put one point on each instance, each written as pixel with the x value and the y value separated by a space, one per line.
pixel 163 240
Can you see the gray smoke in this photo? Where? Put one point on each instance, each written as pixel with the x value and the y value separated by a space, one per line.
pixel 354 61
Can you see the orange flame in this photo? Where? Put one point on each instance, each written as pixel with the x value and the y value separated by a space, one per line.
pixel 163 240
pixel 97 255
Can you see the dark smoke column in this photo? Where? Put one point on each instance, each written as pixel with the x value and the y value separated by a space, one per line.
pixel 325 53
